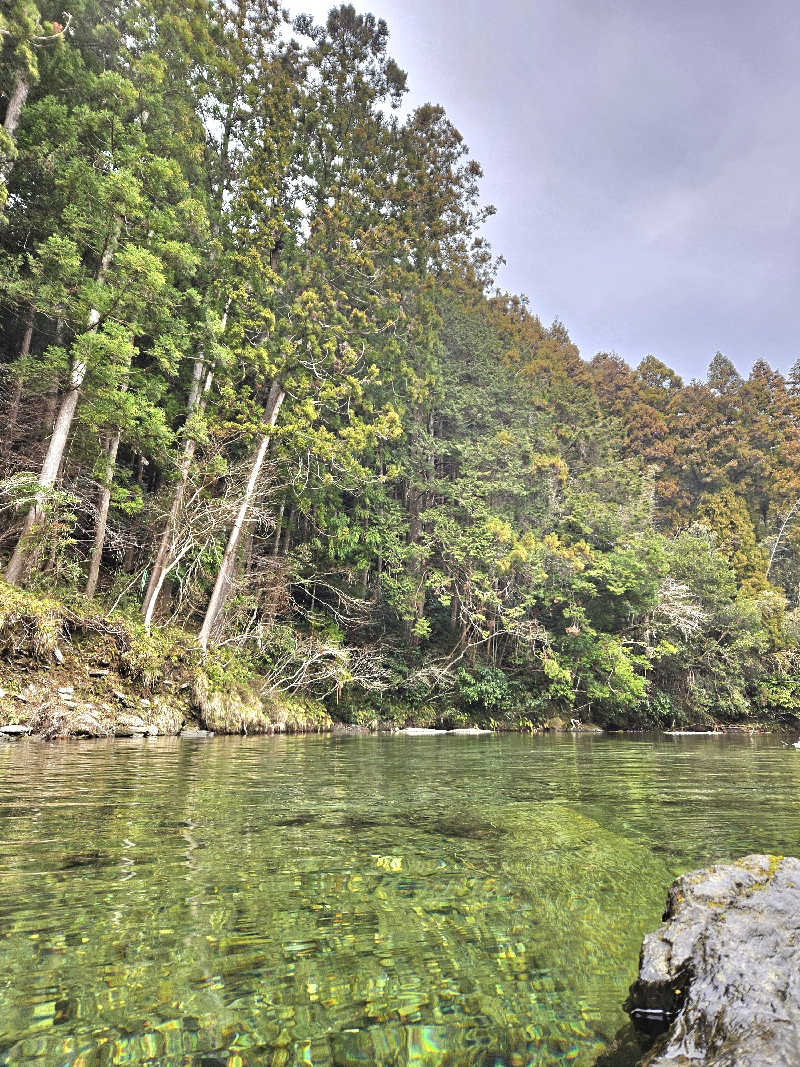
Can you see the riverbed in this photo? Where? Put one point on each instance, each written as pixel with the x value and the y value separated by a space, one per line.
pixel 438 900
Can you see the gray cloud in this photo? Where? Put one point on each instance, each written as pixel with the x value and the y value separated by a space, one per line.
pixel 643 158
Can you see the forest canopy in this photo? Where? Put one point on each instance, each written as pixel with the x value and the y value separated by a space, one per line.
pixel 260 385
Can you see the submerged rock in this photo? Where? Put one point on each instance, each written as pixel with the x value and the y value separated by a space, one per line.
pixel 723 971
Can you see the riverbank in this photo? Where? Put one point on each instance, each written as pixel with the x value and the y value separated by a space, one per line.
pixel 67 669
pixel 76 673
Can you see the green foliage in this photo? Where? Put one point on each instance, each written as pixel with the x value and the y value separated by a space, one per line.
pixel 30 624
pixel 458 519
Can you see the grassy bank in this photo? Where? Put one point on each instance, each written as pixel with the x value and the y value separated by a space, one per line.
pixel 68 670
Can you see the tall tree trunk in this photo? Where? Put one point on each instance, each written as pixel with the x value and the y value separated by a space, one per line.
pixel 61 428
pixel 16 102
pixel 102 517
pixel 287 539
pixel 278 528
pixel 195 403
pixel 103 505
pixel 16 395
pixel 222 584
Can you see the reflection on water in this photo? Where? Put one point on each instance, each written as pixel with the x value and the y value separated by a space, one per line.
pixel 426 900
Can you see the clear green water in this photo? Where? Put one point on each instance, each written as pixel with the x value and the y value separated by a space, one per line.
pixel 422 900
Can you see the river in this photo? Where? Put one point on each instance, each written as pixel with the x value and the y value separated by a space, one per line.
pixel 354 900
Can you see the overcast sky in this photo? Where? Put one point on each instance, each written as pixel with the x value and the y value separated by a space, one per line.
pixel 643 157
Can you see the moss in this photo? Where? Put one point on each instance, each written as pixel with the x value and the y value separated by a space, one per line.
pixel 297 714
pixel 772 870
pixel 30 625
pixel 774 864
pixel 230 702
pixel 147 658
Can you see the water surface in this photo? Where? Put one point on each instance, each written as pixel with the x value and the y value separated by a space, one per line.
pixel 422 900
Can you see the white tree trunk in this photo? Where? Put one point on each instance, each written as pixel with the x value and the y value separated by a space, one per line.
pixel 16 102
pixel 274 402
pixel 60 434
pixel 158 572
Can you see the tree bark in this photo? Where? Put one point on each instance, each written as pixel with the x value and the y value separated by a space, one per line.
pixel 196 402
pixel 222 584
pixel 16 396
pixel 16 102
pixel 102 517
pixel 61 428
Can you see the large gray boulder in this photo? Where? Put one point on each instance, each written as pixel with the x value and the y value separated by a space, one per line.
pixel 724 968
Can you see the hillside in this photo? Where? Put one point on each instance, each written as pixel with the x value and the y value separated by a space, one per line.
pixel 267 417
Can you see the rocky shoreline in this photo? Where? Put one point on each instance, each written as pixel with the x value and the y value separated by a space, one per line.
pixel 88 697
pixel 49 712
pixel 67 670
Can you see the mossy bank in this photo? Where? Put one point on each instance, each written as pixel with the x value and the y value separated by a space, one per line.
pixel 69 671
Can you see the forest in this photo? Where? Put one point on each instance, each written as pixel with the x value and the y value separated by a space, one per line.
pixel 264 403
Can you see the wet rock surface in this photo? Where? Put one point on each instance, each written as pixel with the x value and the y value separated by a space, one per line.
pixel 723 971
